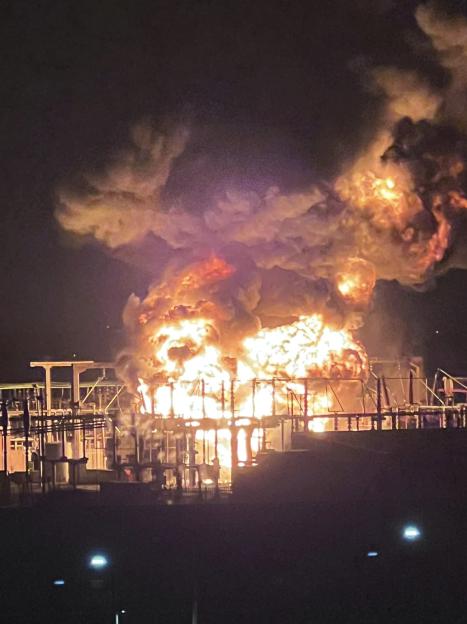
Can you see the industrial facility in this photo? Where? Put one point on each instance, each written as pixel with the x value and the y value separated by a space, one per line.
pixel 87 431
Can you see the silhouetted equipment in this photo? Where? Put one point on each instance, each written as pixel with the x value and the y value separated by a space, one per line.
pixel 4 417
pixel 26 427
pixel 90 430
pixel 4 425
pixel 26 418
pixel 411 393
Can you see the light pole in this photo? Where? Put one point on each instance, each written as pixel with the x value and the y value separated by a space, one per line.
pixel 99 562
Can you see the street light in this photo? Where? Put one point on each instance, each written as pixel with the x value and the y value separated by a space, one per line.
pixel 411 533
pixel 98 561
pixel 59 582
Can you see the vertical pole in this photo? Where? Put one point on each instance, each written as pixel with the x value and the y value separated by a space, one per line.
pixel 233 429
pixel 411 395
pixel 305 405
pixel 75 392
pixel 223 399
pixel 172 413
pixel 192 458
pixel 135 439
pixel 5 435
pixel 379 423
pixel 26 424
pixel 203 412
pixel 63 437
pixel 40 400
pixel 253 397
pixel 194 604
pixel 177 452
pixel 84 436
pixel 249 452
pixel 203 400
pixel 232 401
pixel 273 407
pixel 290 410
pixel 48 388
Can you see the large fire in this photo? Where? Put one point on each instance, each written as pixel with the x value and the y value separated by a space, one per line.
pixel 194 378
pixel 193 373
pixel 356 282
pixel 253 331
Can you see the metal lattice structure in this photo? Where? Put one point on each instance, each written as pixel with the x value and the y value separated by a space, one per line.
pixel 89 429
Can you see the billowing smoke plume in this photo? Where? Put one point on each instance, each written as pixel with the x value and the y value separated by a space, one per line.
pixel 123 204
pixel 246 260
pixel 448 35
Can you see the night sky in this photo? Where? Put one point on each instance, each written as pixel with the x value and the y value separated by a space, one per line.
pixel 275 88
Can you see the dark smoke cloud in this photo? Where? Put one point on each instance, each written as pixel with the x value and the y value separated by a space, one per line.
pixel 290 246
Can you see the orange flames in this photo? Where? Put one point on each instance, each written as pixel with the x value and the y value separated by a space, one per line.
pixel 356 282
pixel 191 374
pixel 193 377
pixel 211 270
pixel 306 348
pixel 193 371
pixel 384 192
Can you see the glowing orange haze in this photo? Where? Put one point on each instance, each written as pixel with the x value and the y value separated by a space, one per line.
pixel 194 374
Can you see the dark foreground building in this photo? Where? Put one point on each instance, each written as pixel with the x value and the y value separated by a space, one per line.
pixel 366 534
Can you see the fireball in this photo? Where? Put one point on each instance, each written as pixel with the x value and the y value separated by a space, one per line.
pixel 356 282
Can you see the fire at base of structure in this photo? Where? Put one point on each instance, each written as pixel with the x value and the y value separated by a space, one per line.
pixel 90 429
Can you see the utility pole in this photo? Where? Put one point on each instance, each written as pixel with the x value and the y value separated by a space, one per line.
pixel 4 422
